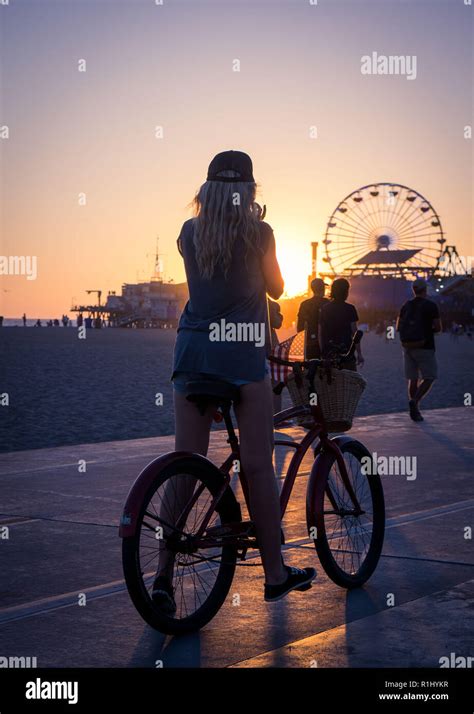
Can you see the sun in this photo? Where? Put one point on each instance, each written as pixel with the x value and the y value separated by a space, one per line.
pixel 294 265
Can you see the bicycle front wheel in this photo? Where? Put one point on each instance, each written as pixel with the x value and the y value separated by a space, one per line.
pixel 348 536
pixel 165 542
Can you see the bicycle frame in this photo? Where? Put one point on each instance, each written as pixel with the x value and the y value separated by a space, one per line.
pixel 234 534
pixel 317 432
pixel 189 504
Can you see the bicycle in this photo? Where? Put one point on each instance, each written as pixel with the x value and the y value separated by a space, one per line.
pixel 202 532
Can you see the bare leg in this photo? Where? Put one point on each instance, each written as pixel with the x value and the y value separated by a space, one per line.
pixel 192 434
pixel 255 420
pixel 423 390
pixel 192 429
pixel 412 388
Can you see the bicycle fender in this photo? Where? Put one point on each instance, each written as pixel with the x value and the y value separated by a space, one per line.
pixel 323 462
pixel 346 438
pixel 139 489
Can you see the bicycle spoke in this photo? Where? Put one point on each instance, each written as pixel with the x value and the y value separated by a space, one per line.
pixel 349 536
pixel 185 500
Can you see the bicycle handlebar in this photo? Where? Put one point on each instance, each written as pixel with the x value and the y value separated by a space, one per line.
pixel 325 362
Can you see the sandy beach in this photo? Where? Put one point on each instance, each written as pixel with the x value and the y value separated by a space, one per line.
pixel 63 390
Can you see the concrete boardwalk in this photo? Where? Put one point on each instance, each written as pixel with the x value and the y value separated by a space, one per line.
pixel 63 541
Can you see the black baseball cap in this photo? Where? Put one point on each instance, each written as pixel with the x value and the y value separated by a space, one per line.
pixel 236 161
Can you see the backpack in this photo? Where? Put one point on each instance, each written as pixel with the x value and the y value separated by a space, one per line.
pixel 411 326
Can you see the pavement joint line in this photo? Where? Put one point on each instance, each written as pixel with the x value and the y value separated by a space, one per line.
pixel 416 516
pixel 59 602
pixel 83 496
pixel 345 624
pixel 116 459
pixel 55 602
pixel 16 520
pixel 40 469
pixel 115 587
pixel 467 502
pixel 392 522
pixel 309 546
pixel 217 433
pixel 47 519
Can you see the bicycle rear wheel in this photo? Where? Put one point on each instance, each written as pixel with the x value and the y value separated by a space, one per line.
pixel 170 516
pixel 348 541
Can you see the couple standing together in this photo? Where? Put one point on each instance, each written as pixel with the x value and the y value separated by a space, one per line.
pixel 331 324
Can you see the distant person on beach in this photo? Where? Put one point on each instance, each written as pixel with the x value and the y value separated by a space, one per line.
pixel 417 323
pixel 38 323
pixel 230 261
pixel 455 332
pixel 24 319
pixel 308 318
pixel 338 324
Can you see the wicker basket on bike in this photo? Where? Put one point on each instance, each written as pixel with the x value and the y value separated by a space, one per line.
pixel 327 384
pixel 337 393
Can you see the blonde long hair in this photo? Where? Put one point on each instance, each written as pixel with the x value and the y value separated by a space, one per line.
pixel 224 212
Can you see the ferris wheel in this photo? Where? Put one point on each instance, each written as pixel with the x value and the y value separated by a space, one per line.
pixel 383 229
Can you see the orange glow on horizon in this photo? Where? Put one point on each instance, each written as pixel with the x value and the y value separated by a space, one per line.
pixel 89 186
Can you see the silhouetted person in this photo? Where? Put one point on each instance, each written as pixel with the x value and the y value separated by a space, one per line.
pixel 231 266
pixel 24 319
pixel 308 318
pixel 417 324
pixel 338 324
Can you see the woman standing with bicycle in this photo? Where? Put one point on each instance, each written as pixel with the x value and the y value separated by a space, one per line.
pixel 230 260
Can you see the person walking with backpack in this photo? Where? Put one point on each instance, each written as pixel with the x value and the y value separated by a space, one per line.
pixel 417 324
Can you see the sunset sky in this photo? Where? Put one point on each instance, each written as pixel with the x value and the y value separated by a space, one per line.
pixel 171 65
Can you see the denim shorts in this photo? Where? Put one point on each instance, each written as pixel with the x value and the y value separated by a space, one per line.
pixel 180 378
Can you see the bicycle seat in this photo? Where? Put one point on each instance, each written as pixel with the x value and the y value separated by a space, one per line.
pixel 212 391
